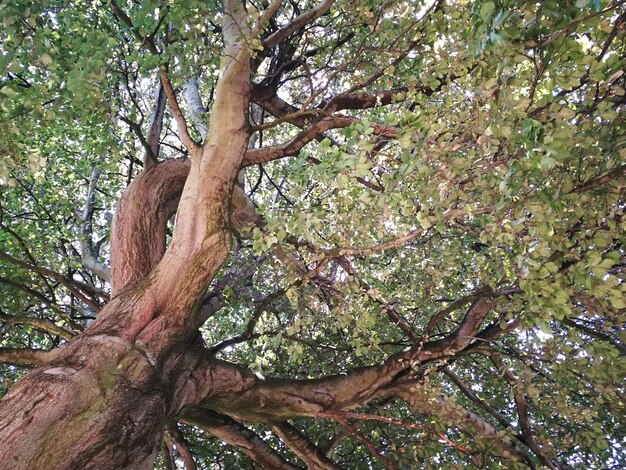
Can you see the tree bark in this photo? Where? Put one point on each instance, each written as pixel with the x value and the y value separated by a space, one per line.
pixel 103 399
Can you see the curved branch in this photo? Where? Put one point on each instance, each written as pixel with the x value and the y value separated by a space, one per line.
pixel 240 393
pixel 297 23
pixel 293 146
pixel 233 433
pixel 175 438
pixel 300 445
pixel 138 230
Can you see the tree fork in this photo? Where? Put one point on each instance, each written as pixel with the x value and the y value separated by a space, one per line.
pixel 121 378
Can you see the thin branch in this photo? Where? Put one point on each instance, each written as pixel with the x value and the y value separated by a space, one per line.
pixel 424 402
pixel 384 419
pixel 371 448
pixel 521 403
pixel 595 334
pixel 41 324
pixel 615 174
pixel 167 454
pixel 70 284
pixel 185 138
pixel 475 399
pixel 88 254
pixel 126 21
pixel 32 259
pixel 136 128
pixel 447 215
pixel 32 292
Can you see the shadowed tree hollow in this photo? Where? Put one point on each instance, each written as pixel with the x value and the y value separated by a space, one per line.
pixel 300 234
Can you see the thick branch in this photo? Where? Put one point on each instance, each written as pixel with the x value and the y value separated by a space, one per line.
pixel 175 438
pixel 153 138
pixel 300 445
pixel 424 403
pixel 26 356
pixel 201 240
pixel 368 100
pixel 233 433
pixel 194 103
pixel 138 229
pixel 297 23
pixel 240 393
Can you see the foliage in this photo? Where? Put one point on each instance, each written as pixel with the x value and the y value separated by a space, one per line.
pixel 489 160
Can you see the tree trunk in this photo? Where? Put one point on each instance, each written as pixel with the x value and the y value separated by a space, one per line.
pixel 102 402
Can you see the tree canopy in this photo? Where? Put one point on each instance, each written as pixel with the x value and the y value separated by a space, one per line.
pixel 422 262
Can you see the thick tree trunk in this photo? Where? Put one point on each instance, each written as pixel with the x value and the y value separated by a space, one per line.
pixel 104 399
pixel 101 404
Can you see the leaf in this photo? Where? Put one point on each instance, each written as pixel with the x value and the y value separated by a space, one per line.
pixel 487 10
pixel 618 302
pixel 8 91
pixel 424 220
pixel 45 59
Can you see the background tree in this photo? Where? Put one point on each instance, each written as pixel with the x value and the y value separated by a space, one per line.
pixel 345 234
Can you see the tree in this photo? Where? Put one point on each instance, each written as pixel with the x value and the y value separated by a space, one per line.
pixel 339 234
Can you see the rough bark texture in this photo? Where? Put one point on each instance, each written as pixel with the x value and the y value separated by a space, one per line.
pixel 103 400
